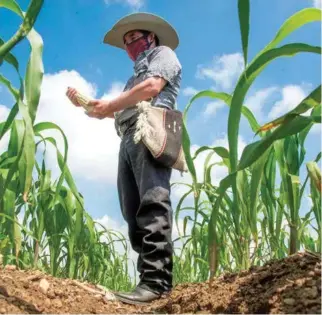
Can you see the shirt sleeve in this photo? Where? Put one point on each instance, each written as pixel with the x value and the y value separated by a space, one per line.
pixel 129 84
pixel 165 64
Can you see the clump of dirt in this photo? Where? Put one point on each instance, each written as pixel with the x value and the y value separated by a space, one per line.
pixel 291 285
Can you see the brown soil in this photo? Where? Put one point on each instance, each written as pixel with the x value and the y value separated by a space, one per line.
pixel 291 285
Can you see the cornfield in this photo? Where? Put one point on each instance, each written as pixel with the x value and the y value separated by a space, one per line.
pixel 241 222
pixel 55 233
pixel 237 224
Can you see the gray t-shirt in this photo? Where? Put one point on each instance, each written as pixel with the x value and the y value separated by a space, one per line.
pixel 161 62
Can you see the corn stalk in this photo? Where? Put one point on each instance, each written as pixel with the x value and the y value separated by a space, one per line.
pixel 250 205
pixel 43 222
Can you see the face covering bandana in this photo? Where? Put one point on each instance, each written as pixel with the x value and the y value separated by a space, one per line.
pixel 137 46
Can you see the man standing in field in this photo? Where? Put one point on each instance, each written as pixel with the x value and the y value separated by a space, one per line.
pixel 143 183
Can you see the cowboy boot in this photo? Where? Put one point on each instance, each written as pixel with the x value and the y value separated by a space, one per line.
pixel 139 296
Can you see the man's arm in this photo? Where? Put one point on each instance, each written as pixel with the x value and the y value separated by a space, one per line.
pixel 145 90
pixel 163 68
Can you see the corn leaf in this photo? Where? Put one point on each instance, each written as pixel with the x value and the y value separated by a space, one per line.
pixel 34 75
pixel 313 100
pixel 28 147
pixel 186 145
pixel 11 5
pixel 293 190
pixel 212 235
pixel 17 238
pixel 27 24
pixel 254 150
pixel 255 185
pixel 243 13
pixel 221 151
pixel 315 175
pixel 293 23
pixel 244 84
pixel 4 127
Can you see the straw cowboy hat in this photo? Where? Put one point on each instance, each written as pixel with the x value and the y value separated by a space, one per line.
pixel 142 21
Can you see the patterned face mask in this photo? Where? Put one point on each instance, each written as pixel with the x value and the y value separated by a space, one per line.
pixel 137 46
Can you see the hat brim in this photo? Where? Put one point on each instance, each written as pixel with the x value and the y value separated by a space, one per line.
pixel 142 21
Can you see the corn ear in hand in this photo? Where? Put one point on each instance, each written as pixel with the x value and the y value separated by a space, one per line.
pixel 83 101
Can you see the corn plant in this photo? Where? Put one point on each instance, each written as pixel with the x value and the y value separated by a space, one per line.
pixel 55 233
pixel 242 220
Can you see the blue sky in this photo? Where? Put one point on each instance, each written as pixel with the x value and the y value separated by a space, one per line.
pixel 210 54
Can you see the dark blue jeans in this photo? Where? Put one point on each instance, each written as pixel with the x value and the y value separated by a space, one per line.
pixel 144 194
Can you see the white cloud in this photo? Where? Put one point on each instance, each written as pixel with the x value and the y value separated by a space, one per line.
pixel 111 224
pixel 212 107
pixel 114 91
pixel 93 143
pixel 292 95
pixel 189 91
pixel 256 101
pixel 277 100
pixel 224 70
pixel 4 112
pixel 133 4
pixel 317 3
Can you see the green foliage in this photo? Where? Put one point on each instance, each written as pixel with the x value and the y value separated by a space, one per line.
pixel 43 223
pixel 254 213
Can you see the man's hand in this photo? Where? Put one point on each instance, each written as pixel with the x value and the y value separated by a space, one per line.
pixel 100 109
pixel 71 92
